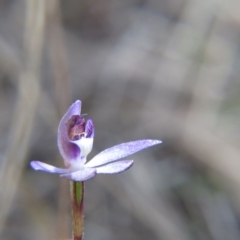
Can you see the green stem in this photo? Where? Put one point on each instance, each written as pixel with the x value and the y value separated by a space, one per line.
pixel 77 196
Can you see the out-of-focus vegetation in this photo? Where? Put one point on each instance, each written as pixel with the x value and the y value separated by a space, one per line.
pixel 162 69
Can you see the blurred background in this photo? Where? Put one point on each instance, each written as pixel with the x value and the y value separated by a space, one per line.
pixel 161 69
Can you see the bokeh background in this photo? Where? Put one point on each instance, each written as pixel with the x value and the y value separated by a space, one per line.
pixel 161 69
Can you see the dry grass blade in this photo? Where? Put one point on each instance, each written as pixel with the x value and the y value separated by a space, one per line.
pixel 13 162
pixel 61 85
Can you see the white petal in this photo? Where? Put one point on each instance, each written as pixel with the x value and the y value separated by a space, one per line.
pixel 36 165
pixel 82 175
pixel 120 151
pixel 85 144
pixel 115 167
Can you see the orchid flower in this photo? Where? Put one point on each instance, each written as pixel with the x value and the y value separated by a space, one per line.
pixel 75 140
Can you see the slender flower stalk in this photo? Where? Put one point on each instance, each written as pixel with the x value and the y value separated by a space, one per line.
pixel 77 198
pixel 75 140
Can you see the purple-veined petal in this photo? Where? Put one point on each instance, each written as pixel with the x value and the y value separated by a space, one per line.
pixel 115 167
pixel 120 151
pixel 81 175
pixel 68 150
pixel 36 165
pixel 89 129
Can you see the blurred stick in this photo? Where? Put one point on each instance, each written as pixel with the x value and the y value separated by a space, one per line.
pixel 61 83
pixel 9 60
pixel 58 56
pixel 23 117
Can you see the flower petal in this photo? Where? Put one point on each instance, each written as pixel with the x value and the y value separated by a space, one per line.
pixel 89 129
pixel 115 167
pixel 68 150
pixel 36 165
pixel 81 175
pixel 85 144
pixel 120 151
